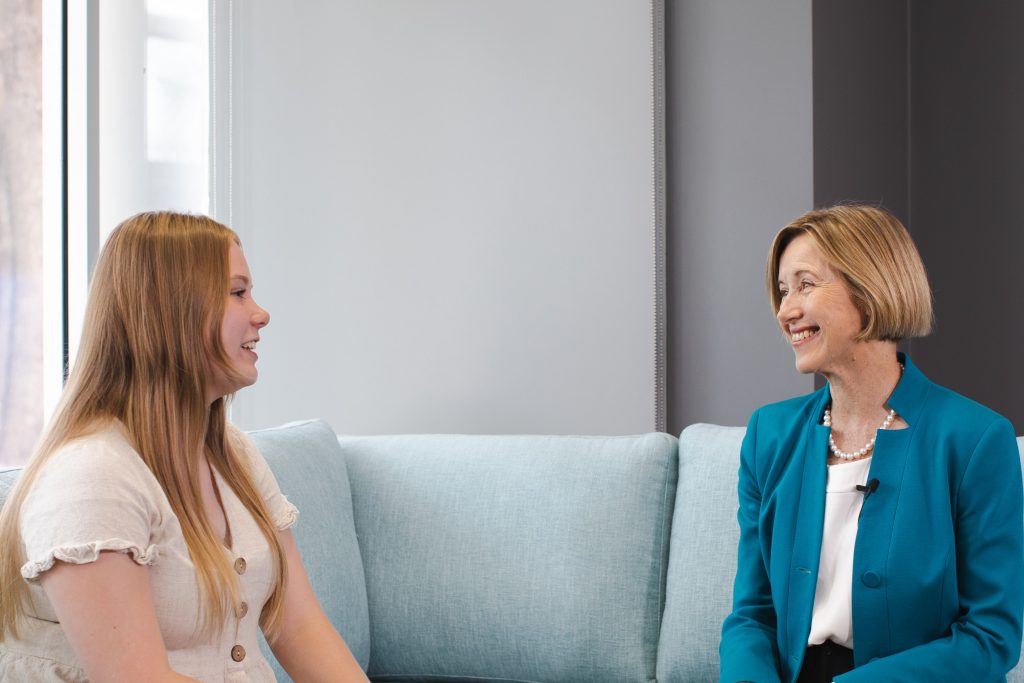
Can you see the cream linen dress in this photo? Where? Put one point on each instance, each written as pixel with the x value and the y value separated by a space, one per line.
pixel 96 494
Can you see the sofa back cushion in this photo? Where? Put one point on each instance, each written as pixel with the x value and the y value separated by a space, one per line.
pixel 702 562
pixel 8 476
pixel 513 558
pixel 310 469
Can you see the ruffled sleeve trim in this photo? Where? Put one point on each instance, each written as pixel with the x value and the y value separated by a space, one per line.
pixel 286 516
pixel 89 552
pixel 23 666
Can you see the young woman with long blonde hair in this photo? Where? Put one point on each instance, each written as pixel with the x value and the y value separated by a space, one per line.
pixel 147 540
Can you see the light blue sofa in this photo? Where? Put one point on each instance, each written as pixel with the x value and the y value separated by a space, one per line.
pixel 521 558
pixel 517 558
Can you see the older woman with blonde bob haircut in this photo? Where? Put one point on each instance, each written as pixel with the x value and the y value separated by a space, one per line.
pixel 881 519
pixel 147 539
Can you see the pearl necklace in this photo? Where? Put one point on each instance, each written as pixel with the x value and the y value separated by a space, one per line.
pixel 858 453
pixel 827 421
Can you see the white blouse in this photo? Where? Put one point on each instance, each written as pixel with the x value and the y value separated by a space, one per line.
pixel 832 618
pixel 96 494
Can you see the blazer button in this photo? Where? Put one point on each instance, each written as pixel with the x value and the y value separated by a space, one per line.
pixel 871 579
pixel 242 610
pixel 240 565
pixel 238 653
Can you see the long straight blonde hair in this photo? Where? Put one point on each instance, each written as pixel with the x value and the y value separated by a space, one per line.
pixel 151 340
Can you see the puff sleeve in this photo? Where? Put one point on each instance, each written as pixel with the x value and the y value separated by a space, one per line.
pixel 94 494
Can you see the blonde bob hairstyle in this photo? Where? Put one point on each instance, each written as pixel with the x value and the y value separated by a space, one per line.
pixel 150 343
pixel 875 256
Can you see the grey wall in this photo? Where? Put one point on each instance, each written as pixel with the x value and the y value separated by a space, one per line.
pixel 740 167
pixel 861 107
pixel 448 208
pixel 772 108
pixel 918 105
pixel 967 176
pixel 861 101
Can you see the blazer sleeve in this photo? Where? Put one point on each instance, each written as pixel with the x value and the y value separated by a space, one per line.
pixel 984 642
pixel 748 650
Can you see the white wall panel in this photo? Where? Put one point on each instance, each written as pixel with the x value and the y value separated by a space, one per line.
pixel 448 208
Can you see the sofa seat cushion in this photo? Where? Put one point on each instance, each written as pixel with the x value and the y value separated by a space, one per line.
pixel 519 558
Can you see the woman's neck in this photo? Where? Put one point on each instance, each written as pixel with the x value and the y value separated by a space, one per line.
pixel 860 387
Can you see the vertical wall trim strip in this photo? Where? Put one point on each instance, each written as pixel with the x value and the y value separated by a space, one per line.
pixel 910 128
pixel 221 147
pixel 212 133
pixel 231 113
pixel 660 343
pixel 65 318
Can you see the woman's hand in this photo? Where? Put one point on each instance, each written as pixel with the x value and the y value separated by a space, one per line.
pixel 308 647
pixel 106 610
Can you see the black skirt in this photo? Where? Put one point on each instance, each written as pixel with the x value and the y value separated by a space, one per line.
pixel 824 662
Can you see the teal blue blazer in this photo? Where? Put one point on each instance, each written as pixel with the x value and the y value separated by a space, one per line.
pixel 938 565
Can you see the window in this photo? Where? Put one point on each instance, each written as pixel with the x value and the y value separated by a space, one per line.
pixel 103 113
pixel 21 233
pixel 153 109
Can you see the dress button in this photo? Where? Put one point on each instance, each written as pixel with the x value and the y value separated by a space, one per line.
pixel 242 610
pixel 238 653
pixel 871 579
pixel 240 565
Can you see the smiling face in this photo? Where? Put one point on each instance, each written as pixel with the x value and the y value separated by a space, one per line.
pixel 243 319
pixel 817 312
